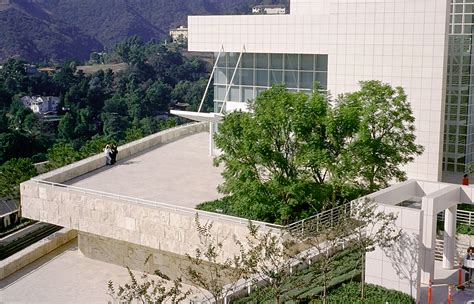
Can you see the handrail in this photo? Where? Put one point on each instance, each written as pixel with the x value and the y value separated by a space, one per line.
pixel 155 204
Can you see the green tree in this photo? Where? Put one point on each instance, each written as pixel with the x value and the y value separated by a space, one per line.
pixel 384 140
pixel 62 154
pixel 293 152
pixel 66 127
pixel 14 172
pixel 266 155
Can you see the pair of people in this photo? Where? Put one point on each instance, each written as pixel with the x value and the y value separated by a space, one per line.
pixel 469 256
pixel 110 152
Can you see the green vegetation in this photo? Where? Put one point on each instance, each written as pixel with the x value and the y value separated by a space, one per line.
pixel 344 267
pixel 466 207
pixel 295 153
pixel 350 293
pixel 94 109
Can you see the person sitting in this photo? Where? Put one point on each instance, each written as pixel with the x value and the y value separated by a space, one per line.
pixel 108 155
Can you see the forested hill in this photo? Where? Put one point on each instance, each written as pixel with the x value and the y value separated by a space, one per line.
pixel 58 30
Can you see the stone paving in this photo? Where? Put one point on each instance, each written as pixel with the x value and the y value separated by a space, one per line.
pixel 63 276
pixel 178 173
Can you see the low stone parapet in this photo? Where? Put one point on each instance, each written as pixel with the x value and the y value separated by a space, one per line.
pixel 92 163
pixel 35 251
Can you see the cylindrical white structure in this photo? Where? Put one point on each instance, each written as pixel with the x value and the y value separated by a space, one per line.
pixel 449 250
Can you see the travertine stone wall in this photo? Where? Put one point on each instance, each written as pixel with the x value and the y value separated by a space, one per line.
pixel 160 228
pixel 131 255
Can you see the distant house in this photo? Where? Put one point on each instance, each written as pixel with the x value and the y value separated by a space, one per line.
pixel 179 34
pixel 41 104
pixel 269 10
pixel 9 213
pixel 47 70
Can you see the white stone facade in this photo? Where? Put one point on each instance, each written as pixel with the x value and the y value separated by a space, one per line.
pixel 402 42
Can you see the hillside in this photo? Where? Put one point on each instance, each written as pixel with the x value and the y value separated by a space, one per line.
pixel 57 30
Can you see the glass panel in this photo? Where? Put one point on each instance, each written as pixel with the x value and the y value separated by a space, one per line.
pixel 307 62
pixel 247 77
pixel 221 76
pixel 322 63
pixel 276 61
pixel 222 60
pixel 291 62
pixel 276 77
pixel 247 60
pixel 306 80
pixel 247 93
pixel 467 19
pixel 232 59
pixel 322 78
pixel 291 79
pixel 261 61
pixel 261 78
pixel 236 77
pixel 219 92
pixel 234 94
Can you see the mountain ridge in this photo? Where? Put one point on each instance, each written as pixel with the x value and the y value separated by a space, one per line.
pixel 60 30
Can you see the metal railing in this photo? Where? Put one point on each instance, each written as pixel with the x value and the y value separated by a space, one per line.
pixel 462 217
pixel 460 249
pixel 320 221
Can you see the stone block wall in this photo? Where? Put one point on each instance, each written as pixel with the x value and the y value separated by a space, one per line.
pixel 132 255
pixel 158 227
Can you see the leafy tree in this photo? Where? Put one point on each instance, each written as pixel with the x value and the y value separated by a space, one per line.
pixel 371 228
pixel 93 146
pixel 295 152
pixel 62 154
pixel 266 155
pixel 12 173
pixel 206 271
pixel 384 140
pixel 66 127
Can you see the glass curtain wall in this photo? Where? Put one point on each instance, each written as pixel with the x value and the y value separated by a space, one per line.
pixel 459 122
pixel 257 72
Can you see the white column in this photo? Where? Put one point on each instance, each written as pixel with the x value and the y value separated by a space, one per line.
pixel 427 258
pixel 211 139
pixel 449 251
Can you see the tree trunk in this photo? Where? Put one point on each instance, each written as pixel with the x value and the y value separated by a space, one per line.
pixel 362 279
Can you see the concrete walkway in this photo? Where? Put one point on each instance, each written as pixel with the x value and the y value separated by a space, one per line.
pixel 178 173
pixel 63 276
pixel 443 278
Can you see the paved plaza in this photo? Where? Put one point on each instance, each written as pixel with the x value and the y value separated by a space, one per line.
pixel 63 276
pixel 178 173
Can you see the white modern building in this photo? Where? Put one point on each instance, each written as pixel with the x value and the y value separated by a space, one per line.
pixel 341 42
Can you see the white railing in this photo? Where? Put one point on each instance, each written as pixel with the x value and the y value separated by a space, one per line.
pixel 460 249
pixel 462 217
pixel 321 220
